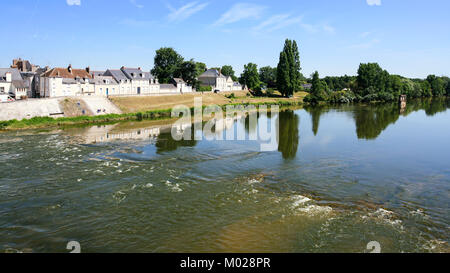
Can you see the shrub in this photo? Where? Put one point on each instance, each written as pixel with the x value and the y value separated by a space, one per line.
pixel 341 97
pixel 369 98
pixel 231 96
pixel 202 88
pixel 386 97
pixel 270 92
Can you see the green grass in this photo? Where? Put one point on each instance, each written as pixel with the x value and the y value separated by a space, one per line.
pixel 44 122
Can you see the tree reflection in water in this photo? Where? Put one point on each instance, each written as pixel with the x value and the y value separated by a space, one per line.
pixel 166 143
pixel 288 137
pixel 370 120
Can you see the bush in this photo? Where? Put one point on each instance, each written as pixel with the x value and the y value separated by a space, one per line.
pixel 386 97
pixel 270 92
pixel 369 98
pixel 231 96
pixel 341 97
pixel 202 88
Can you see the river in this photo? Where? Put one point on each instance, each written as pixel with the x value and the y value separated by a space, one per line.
pixel 342 176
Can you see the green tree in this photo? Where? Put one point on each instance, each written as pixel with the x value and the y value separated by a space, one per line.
pixel 250 77
pixel 371 78
pixel 297 76
pixel 283 77
pixel 426 89
pixel 437 85
pixel 268 75
pixel 167 64
pixel 448 87
pixel 227 70
pixel 188 72
pixel 201 68
pixel 288 70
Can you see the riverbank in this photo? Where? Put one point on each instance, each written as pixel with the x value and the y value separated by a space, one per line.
pixel 145 103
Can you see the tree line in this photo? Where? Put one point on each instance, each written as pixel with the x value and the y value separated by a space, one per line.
pixel 169 64
pixel 372 83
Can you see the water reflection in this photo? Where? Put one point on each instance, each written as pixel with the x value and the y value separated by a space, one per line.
pixel 316 112
pixel 289 134
pixel 370 121
pixel 166 143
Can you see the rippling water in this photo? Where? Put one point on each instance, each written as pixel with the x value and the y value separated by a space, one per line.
pixel 342 177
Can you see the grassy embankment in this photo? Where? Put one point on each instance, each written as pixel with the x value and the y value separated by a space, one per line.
pixel 153 108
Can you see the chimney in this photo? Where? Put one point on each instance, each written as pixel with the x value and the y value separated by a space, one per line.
pixel 8 77
pixel 70 68
pixel 88 70
pixel 139 68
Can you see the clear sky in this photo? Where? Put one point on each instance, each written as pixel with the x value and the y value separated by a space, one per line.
pixel 407 37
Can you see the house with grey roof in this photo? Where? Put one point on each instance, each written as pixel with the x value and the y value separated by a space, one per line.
pixel 134 81
pixel 13 84
pixel 217 81
pixel 106 86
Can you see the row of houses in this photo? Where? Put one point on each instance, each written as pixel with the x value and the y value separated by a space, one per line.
pixel 24 80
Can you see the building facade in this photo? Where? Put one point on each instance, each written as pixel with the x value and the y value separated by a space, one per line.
pixel 66 82
pixel 217 81
pixel 13 84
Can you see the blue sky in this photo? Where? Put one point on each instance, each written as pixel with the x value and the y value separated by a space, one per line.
pixel 407 37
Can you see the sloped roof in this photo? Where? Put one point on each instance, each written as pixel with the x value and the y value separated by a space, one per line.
pixel 15 74
pixel 179 80
pixel 97 73
pixel 101 80
pixel 64 73
pixel 20 84
pixel 168 86
pixel 136 74
pixel 210 73
pixel 117 74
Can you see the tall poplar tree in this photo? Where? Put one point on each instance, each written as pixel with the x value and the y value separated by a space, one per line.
pixel 288 70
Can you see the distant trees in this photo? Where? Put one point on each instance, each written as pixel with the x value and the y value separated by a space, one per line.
pixel 288 70
pixel 340 83
pixel 268 76
pixel 318 91
pixel 371 79
pixel 438 85
pixel 448 86
pixel 167 64
pixel 250 77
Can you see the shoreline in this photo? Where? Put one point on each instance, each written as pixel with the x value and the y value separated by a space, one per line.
pixel 49 122
pixel 163 114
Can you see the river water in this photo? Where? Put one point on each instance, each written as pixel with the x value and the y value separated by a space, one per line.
pixel 341 177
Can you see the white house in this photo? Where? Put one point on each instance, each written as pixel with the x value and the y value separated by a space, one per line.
pixel 133 81
pixel 182 86
pixel 63 82
pixel 218 81
pixel 12 83
pixel 106 86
